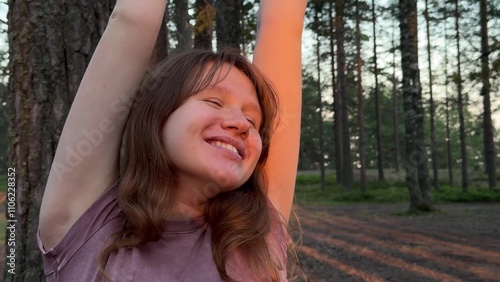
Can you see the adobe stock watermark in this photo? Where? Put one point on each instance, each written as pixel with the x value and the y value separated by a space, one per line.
pixel 92 138
pixel 10 250
pixel 84 148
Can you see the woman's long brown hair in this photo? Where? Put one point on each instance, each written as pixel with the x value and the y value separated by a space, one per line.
pixel 240 219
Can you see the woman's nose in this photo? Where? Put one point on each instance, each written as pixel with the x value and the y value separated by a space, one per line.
pixel 237 122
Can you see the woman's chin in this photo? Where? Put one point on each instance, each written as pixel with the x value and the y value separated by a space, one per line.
pixel 227 185
pixel 228 180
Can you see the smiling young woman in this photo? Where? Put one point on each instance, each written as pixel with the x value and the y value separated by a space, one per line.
pixel 205 182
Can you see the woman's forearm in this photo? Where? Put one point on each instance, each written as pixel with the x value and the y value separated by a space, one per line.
pixel 278 55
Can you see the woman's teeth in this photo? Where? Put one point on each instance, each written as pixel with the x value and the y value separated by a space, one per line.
pixel 225 146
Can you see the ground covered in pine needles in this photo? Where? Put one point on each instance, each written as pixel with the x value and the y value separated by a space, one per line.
pixel 379 242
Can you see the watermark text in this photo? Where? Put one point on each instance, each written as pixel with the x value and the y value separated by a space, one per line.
pixel 10 251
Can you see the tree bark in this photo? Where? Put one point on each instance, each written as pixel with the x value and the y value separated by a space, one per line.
pixel 417 173
pixel 488 135
pixel 378 135
pixel 181 18
pixel 50 45
pixel 320 120
pixel 228 23
pixel 395 108
pixel 347 174
pixel 319 104
pixel 448 135
pixel 362 161
pixel 431 102
pixel 337 103
pixel 460 103
pixel 203 28
pixel 160 51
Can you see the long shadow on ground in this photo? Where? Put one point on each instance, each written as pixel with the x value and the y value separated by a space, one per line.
pixel 368 242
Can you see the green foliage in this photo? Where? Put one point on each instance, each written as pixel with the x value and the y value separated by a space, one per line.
pixel 387 128
pixel 249 26
pixel 313 179
pixel 390 194
pixel 3 183
pixel 386 13
pixel 312 195
pixel 3 228
pixel 4 140
pixel 3 188
pixel 455 194
pixel 309 155
pixel 382 185
pixel 308 192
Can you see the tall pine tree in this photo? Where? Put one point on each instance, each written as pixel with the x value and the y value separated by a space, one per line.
pixel 416 168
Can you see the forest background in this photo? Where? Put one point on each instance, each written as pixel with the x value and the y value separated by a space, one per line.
pixel 397 95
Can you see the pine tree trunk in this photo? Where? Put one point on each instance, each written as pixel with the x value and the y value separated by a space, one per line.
pixel 489 142
pixel 203 28
pixel 431 102
pixel 337 103
pixel 362 161
pixel 395 108
pixel 417 174
pixel 460 103
pixel 181 18
pixel 50 45
pixel 378 135
pixel 347 174
pixel 228 23
pixel 320 106
pixel 160 51
pixel 448 135
pixel 48 60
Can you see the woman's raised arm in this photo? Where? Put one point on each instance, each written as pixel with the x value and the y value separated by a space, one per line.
pixel 86 159
pixel 278 55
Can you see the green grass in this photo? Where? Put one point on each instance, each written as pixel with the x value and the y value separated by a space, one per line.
pixel 308 191
pixel 3 226
pixel 455 195
pixel 312 179
pixel 3 183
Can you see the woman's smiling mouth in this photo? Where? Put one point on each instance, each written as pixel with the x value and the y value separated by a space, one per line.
pixel 225 146
pixel 228 144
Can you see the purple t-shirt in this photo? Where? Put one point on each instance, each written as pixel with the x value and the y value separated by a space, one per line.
pixel 183 253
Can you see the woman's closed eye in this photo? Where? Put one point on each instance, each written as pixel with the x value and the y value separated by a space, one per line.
pixel 251 121
pixel 217 103
pixel 214 102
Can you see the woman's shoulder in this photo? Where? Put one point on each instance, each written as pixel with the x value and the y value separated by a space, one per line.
pixel 87 234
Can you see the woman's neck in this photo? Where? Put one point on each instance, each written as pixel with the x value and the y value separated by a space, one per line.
pixel 190 200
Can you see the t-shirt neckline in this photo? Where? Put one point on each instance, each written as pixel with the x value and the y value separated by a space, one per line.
pixel 184 226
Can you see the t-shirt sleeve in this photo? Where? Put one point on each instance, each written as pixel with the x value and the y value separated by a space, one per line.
pixel 103 215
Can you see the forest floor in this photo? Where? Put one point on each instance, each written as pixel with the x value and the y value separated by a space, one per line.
pixel 377 242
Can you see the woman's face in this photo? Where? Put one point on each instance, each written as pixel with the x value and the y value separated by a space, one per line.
pixel 213 138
